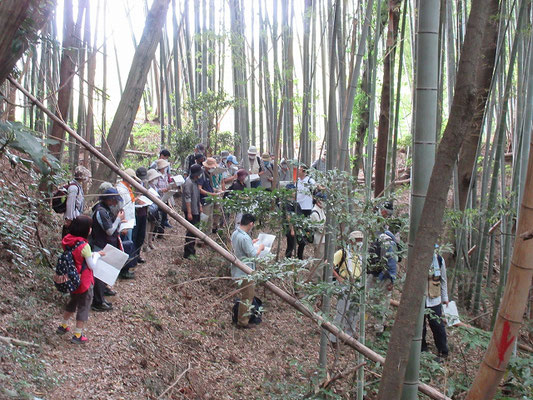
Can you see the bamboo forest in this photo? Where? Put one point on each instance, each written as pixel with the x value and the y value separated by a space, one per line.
pixel 266 199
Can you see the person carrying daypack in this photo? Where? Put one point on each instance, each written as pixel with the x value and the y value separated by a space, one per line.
pixel 74 275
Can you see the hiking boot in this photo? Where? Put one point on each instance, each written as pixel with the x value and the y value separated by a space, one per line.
pixel 79 340
pixel 141 260
pixel 109 292
pixel 101 307
pixel 61 331
pixel 126 275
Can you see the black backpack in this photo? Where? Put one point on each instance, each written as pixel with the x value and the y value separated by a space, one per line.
pixel 59 198
pixel 66 266
pixel 375 255
pixel 255 315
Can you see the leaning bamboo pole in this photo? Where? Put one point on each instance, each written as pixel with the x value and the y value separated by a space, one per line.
pixel 294 302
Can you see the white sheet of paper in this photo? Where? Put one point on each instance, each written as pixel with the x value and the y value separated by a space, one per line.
pixel 284 184
pixel 254 177
pixel 267 240
pixel 178 180
pixel 204 217
pixel 451 313
pixel 127 225
pixel 168 195
pixel 145 200
pixel 218 171
pixel 108 267
pixel 154 192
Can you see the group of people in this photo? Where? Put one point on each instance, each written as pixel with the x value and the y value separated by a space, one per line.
pixel 122 219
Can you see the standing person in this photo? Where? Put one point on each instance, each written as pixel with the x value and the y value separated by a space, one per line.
pixel 381 273
pixel 347 268
pixel 205 185
pixel 304 200
pixel 285 173
pixel 437 295
pixel 75 197
pixel 163 155
pixel 163 186
pixel 230 174
pixel 141 215
pixel 267 177
pixel 288 227
pixel 320 163
pixel 191 207
pixel 243 248
pixel 153 216
pixel 85 261
pixel 128 200
pixel 318 218
pixel 256 167
pixel 107 217
pixel 223 157
pixel 191 158
pixel 239 184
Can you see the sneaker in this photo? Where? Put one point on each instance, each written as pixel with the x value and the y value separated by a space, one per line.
pixel 141 260
pixel 101 307
pixel 61 331
pixel 79 340
pixel 109 292
pixel 126 275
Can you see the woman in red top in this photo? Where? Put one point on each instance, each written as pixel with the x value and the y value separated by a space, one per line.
pixel 80 299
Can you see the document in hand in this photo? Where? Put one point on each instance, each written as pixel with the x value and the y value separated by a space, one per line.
pixel 145 200
pixel 127 225
pixel 254 177
pixel 168 195
pixel 267 240
pixel 451 313
pixel 108 267
pixel 178 180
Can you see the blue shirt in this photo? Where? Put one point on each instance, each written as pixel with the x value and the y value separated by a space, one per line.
pixel 243 248
pixel 390 249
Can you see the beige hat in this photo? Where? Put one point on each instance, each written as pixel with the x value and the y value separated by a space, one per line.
pixel 152 174
pixel 132 174
pixel 161 163
pixel 265 156
pixel 210 163
pixel 355 235
pixel 82 173
pixel 252 150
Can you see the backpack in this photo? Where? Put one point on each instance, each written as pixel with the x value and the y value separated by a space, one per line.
pixel 255 312
pixel 375 255
pixel 67 266
pixel 59 198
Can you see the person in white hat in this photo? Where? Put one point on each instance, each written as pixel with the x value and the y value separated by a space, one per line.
pixel 128 200
pixel 153 218
pixel 348 266
pixel 256 166
pixel 163 186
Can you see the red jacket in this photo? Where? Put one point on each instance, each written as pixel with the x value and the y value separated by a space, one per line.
pixel 86 278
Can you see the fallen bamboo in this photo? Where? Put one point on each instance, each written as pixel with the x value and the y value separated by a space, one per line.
pixel 17 342
pixel 295 303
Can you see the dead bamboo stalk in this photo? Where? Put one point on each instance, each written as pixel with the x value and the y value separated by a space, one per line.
pixel 295 303
pixel 17 342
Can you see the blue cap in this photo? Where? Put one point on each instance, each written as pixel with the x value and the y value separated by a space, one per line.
pixel 232 159
pixel 111 194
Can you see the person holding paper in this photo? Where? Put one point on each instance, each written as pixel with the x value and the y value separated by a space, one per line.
pixel 244 249
pixel 85 260
pixel 437 294
pixel 205 185
pixel 304 198
pixel 141 214
pixel 128 200
pixel 318 218
pixel 256 166
pixel 107 217
pixel 267 177
pixel 163 186
pixel 191 207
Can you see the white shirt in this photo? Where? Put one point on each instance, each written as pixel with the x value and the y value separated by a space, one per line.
pixel 129 206
pixel 303 193
pixel 443 285
pixel 318 217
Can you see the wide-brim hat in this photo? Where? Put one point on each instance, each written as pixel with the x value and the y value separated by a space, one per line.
pixel 152 174
pixel 141 173
pixel 252 150
pixel 162 163
pixel 266 156
pixel 82 173
pixel 355 235
pixel 210 163
pixel 196 170
pixel 111 194
pixel 224 154
pixel 132 174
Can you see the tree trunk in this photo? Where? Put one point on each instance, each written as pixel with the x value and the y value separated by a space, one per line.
pixel 430 225
pixel 122 124
pixel 385 105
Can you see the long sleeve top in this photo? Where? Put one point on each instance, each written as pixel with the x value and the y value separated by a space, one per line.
pixel 243 248
pixel 389 249
pixel 75 200
pixel 443 284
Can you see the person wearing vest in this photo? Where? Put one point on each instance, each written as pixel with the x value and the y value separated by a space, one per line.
pixel 107 216
pixel 267 177
pixel 437 294
pixel 75 197
pixel 256 166
pixel 347 271
pixel 304 200
pixel 206 188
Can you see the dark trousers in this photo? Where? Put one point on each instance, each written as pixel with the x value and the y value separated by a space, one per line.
pixel 190 238
pixel 302 239
pixel 438 328
pixel 129 249
pixel 291 244
pixel 99 289
pixel 139 234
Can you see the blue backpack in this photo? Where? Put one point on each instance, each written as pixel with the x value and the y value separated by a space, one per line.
pixel 67 266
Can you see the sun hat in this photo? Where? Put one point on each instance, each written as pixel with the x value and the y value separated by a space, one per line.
pixel 265 156
pixel 104 186
pixel 111 194
pixel 224 154
pixel 132 174
pixel 355 235
pixel 252 150
pixel 241 173
pixel 232 159
pixel 210 162
pixel 162 163
pixel 141 173
pixel 196 170
pixel 82 173
pixel 152 174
